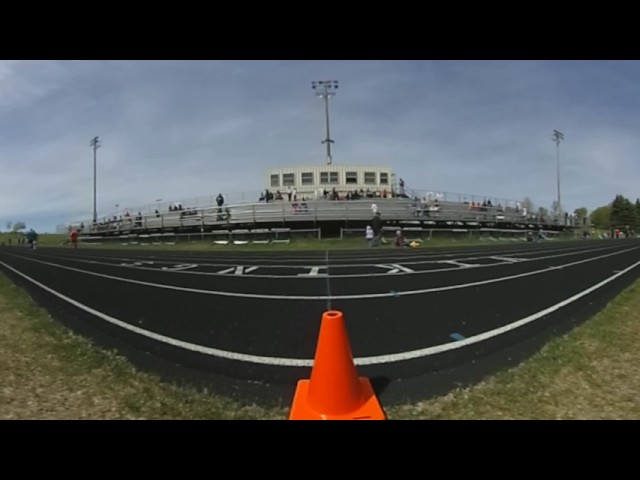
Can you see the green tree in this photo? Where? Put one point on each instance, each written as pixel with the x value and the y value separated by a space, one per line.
pixel 9 223
pixel 601 217
pixel 623 213
pixel 528 204
pixel 543 213
pixel 581 216
pixel 17 226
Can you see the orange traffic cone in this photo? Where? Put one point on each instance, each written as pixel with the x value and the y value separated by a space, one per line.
pixel 334 391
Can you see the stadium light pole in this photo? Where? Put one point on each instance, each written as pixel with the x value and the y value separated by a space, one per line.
pixel 557 138
pixel 95 144
pixel 325 89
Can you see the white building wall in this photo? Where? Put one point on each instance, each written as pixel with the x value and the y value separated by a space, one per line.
pixel 341 186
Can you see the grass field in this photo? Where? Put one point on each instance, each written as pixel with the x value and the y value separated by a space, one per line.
pixel 297 244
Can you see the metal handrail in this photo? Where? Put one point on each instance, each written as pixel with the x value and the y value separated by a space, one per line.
pixel 316 210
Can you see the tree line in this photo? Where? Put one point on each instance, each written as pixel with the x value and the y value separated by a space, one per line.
pixel 15 226
pixel 620 213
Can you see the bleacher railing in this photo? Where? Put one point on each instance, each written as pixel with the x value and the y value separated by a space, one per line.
pixel 284 212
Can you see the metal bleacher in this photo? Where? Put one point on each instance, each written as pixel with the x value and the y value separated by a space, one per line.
pixel 273 222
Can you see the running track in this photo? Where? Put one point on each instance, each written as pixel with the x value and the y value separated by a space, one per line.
pixel 245 324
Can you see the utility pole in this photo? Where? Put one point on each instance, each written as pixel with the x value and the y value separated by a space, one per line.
pixel 95 143
pixel 325 89
pixel 557 138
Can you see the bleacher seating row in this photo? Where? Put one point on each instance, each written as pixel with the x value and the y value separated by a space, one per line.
pixel 311 211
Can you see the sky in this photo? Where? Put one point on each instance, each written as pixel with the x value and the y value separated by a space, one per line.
pixel 181 130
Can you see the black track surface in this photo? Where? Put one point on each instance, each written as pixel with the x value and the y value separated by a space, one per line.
pixel 270 305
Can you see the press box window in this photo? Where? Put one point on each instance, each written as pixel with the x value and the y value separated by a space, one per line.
pixel 288 180
pixel 370 178
pixel 351 177
pixel 275 180
pixel 307 178
pixel 328 177
pixel 384 178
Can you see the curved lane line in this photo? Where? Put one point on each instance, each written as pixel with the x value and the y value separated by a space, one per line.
pixel 459 267
pixel 296 362
pixel 327 297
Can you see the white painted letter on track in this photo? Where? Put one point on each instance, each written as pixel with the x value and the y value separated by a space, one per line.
pixel 314 271
pixel 184 266
pixel 136 264
pixel 395 268
pixel 239 270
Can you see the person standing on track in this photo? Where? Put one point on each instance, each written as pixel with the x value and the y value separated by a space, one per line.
pixel 376 225
pixel 73 238
pixel 369 235
pixel 32 239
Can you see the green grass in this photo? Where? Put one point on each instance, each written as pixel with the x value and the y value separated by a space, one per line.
pixel 50 373
pixel 593 372
pixel 44 240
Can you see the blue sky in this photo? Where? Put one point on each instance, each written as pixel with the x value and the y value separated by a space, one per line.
pixel 177 130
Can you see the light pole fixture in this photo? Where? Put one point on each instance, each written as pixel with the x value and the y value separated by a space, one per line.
pixel 557 138
pixel 325 89
pixel 95 143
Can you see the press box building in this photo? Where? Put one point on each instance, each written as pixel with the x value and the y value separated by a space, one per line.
pixel 311 180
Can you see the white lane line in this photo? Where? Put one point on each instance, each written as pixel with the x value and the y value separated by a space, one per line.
pixel 177 268
pixel 407 271
pixel 393 268
pixel 461 264
pixel 325 297
pixel 510 259
pixel 423 352
pixel 422 259
pixel 297 362
pixel 215 352
pixel 313 271
pixel 328 281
